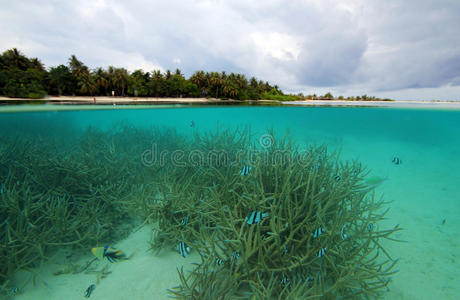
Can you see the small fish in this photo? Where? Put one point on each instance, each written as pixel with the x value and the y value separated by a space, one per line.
pixel 255 217
pixel 343 232
pixel 183 249
pixel 192 124
pixel 315 166
pixel 89 290
pixel 235 255
pixel 245 170
pixel 443 222
pixel 220 262
pixel 370 226
pixel 319 231
pixel 396 160
pixel 337 178
pixel 110 253
pixel 1 189
pixel 321 252
pixel 285 281
pixel 184 221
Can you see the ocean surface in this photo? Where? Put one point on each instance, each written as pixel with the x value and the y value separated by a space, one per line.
pixel 423 191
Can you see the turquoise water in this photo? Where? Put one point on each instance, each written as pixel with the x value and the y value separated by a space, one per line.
pixel 424 190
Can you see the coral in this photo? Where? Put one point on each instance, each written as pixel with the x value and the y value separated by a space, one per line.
pixel 301 191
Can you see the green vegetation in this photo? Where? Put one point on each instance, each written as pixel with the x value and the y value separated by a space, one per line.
pixel 206 206
pixel 329 96
pixel 23 77
pixel 27 78
pixel 92 188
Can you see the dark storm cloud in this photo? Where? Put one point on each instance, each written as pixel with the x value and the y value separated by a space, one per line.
pixel 303 45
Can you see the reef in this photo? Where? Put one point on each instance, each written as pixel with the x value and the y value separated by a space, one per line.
pixel 318 237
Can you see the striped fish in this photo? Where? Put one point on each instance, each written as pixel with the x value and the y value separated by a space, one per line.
pixel 285 281
pixel 184 221
pixel 319 231
pixel 245 170
pixel 321 252
pixel 235 255
pixel 1 189
pixel 255 217
pixel 183 249
pixel 396 160
pixel 220 262
pixel 337 178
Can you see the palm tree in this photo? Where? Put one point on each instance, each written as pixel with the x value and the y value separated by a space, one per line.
pixel 229 88
pixel 199 79
pixel 13 58
pixel 76 67
pixel 215 81
pixel 87 83
pixel 60 80
pixel 118 79
pixel 101 79
pixel 36 64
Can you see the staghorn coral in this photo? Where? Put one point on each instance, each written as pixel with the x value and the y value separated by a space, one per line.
pixel 301 191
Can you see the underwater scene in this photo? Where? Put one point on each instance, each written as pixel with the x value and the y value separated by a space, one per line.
pixel 215 202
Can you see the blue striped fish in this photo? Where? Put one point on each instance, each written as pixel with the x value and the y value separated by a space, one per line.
pixel 255 217
pixel 183 249
pixel 396 161
pixel 319 231
pixel 285 281
pixel 235 255
pixel 245 170
pixel 321 252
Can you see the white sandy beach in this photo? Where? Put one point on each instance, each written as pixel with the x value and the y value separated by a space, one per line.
pixel 152 100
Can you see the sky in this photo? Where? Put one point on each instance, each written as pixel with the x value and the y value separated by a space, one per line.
pixel 401 49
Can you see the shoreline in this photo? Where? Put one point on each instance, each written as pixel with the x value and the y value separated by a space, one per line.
pixel 395 103
pixel 134 101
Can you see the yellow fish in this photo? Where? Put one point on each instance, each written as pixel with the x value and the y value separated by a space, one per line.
pixel 111 254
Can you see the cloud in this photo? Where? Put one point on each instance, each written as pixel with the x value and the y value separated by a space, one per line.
pixel 396 46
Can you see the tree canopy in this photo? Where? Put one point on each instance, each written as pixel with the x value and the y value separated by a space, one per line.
pixel 25 77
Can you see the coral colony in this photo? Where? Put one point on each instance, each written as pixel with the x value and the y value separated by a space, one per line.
pixel 283 222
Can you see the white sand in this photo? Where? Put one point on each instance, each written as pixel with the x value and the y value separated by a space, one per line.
pixel 143 276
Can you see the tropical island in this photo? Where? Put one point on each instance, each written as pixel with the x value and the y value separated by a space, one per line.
pixel 27 78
